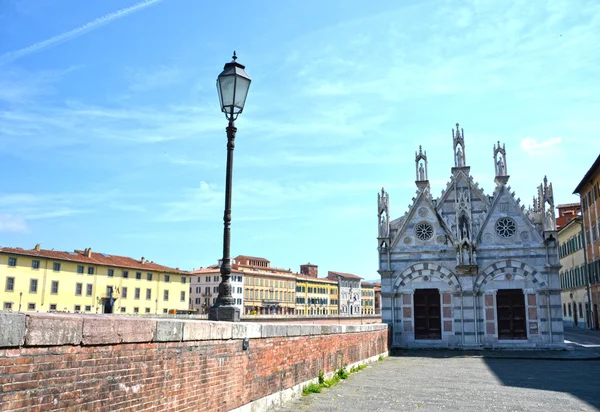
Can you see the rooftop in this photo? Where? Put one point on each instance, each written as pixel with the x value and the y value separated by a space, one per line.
pixel 89 257
pixel 595 167
pixel 344 275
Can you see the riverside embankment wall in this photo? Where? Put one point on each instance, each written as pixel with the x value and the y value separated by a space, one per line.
pixel 101 362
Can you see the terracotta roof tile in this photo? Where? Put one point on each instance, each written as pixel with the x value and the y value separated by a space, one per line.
pixel 96 258
pixel 304 278
pixel 345 275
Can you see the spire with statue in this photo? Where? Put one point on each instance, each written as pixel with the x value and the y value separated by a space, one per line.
pixel 422 180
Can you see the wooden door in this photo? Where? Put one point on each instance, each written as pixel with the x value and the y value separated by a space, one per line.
pixel 428 324
pixel 510 305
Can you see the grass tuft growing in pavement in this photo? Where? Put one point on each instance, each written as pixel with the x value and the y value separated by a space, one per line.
pixel 338 376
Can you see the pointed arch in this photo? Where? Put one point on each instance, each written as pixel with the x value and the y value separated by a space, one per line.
pixel 427 269
pixel 511 266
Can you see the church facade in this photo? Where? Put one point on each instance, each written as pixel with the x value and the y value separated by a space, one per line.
pixel 467 269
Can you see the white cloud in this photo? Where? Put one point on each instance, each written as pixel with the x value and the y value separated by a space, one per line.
pixel 51 205
pixel 71 34
pixel 12 224
pixel 532 146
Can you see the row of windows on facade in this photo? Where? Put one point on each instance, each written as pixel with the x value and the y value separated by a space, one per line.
pixel 593 268
pixel 571 246
pixel 594 230
pixel 215 289
pixel 577 277
pixel 316 301
pixel 573 278
pixel 268 294
pixel 238 301
pixel 217 278
pixel 567 309
pixel 137 292
pixel 33 285
pixel 35 264
pixel 269 282
pixel 77 308
pixel 591 196
pixel 33 288
pixel 315 290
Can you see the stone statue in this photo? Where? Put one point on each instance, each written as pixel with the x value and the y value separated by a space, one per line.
pixel 421 172
pixel 459 158
pixel 501 169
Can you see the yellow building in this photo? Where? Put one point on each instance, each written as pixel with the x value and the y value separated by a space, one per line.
pixel 573 279
pixel 316 296
pixel 367 298
pixel 267 290
pixel 39 280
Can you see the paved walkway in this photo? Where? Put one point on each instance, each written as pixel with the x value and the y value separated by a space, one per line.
pixel 565 380
pixel 583 338
pixel 462 384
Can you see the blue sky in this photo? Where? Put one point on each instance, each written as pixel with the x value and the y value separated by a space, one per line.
pixel 111 136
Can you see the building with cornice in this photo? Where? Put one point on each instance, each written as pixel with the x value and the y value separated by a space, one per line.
pixel 589 193
pixel 82 281
pixel 467 269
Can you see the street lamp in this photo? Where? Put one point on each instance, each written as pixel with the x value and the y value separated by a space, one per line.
pixel 232 85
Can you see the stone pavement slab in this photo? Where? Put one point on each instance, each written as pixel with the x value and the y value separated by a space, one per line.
pixel 462 384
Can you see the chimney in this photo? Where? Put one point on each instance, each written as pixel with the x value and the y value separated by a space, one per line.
pixel 37 247
pixel 88 252
pixel 143 260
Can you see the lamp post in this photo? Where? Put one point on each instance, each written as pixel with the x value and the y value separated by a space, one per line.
pixel 232 85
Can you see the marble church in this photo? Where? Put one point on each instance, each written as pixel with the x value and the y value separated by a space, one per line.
pixel 468 269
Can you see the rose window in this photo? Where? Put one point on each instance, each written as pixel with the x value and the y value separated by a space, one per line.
pixel 423 231
pixel 505 227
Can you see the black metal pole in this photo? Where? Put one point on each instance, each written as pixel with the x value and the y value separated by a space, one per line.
pixel 224 308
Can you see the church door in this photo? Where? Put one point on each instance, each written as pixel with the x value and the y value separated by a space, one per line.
pixel 511 314
pixel 428 323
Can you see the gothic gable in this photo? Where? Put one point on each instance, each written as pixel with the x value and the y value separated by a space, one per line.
pixel 463 206
pixel 422 226
pixel 506 222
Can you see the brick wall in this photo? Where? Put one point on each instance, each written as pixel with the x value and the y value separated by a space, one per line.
pixel 77 362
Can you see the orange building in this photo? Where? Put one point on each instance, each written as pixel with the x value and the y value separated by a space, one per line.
pixel 566 213
pixel 589 193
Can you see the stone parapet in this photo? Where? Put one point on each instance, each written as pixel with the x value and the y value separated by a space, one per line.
pixel 108 363
pixel 43 329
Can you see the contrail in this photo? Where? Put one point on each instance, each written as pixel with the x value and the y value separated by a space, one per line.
pixel 107 18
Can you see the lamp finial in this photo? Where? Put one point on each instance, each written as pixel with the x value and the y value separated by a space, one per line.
pixel 234 56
